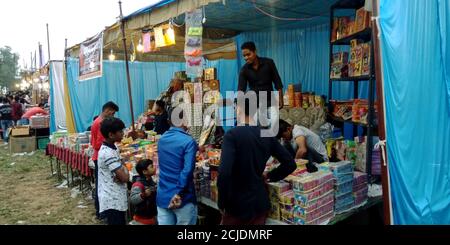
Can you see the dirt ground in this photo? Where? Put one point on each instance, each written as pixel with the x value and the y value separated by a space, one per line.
pixel 29 194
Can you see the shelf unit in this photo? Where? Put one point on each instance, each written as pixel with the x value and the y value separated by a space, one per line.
pixel 370 128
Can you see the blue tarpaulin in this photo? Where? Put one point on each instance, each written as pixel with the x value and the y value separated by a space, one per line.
pixel 415 53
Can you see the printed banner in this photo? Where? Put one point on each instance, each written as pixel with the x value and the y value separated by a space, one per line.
pixel 91 58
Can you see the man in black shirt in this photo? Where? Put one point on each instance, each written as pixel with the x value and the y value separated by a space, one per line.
pixel 260 74
pixel 5 118
pixel 243 198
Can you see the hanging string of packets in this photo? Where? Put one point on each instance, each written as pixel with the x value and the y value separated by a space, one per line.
pixel 193 49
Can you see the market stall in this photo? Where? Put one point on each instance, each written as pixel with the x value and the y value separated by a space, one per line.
pixel 305 103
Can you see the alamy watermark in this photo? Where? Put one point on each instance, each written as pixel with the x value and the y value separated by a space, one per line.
pixel 247 109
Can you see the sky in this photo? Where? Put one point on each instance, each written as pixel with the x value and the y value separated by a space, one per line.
pixel 23 23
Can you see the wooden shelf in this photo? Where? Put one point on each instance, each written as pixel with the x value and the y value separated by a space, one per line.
pixel 365 35
pixel 348 79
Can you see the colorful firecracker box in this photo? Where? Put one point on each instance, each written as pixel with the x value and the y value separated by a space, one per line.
pixel 315 215
pixel 359 178
pixel 313 205
pixel 360 196
pixel 304 198
pixel 311 181
pixel 340 58
pixel 344 188
pixel 276 188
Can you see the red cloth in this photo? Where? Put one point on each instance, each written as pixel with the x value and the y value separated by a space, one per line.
pixel 34 111
pixel 96 137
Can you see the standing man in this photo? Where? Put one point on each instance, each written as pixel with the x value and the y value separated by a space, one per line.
pixel 5 118
pixel 16 110
pixel 97 139
pixel 260 74
pixel 243 199
pixel 175 198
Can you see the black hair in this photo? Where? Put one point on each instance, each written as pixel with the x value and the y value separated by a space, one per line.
pixel 282 127
pixel 143 165
pixel 5 100
pixel 161 104
pixel 41 104
pixel 249 45
pixel 17 98
pixel 95 118
pixel 111 125
pixel 110 105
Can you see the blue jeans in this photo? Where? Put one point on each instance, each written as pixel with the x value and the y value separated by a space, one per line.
pixel 186 215
pixel 5 124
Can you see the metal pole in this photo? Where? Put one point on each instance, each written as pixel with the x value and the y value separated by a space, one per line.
pixel 122 26
pixel 48 43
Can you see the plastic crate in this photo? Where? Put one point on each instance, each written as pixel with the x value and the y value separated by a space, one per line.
pixel 42 143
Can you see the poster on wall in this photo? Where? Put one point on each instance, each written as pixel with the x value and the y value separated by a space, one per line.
pixel 91 57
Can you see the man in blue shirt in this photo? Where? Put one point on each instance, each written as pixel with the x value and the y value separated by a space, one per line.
pixel 176 200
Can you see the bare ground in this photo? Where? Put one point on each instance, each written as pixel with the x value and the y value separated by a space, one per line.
pixel 29 193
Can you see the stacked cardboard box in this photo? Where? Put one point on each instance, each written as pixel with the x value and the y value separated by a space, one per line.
pixel 313 196
pixel 275 191
pixel 360 188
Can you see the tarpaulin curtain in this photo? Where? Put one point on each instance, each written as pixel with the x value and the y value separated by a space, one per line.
pixel 301 55
pixel 415 53
pixel 57 110
pixel 148 81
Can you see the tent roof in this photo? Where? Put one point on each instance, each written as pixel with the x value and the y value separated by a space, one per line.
pixel 225 18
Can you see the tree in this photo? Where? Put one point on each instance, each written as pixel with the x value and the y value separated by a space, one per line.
pixel 8 67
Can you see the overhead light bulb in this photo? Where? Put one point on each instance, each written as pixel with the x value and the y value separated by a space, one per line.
pixel 140 47
pixel 17 85
pixel 112 56
pixel 40 86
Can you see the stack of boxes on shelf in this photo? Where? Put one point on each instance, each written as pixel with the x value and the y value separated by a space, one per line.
pixel 339 65
pixel 313 197
pixel 359 58
pixel 346 26
pixel 360 188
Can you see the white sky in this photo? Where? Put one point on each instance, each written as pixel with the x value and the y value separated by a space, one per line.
pixel 23 23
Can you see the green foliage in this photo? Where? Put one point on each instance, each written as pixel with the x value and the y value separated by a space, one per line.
pixel 8 66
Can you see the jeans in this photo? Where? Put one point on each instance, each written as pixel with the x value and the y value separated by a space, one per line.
pixel 186 215
pixel 5 124
pixel 115 217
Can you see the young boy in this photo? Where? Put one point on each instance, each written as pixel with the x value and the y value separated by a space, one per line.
pixel 143 194
pixel 112 174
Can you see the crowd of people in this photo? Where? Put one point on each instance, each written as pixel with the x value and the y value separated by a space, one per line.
pixel 242 194
pixel 16 109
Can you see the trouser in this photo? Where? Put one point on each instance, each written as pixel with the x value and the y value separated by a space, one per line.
pixel 97 205
pixel 187 215
pixel 232 220
pixel 5 124
pixel 115 217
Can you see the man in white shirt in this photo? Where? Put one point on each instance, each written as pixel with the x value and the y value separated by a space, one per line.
pixel 302 142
